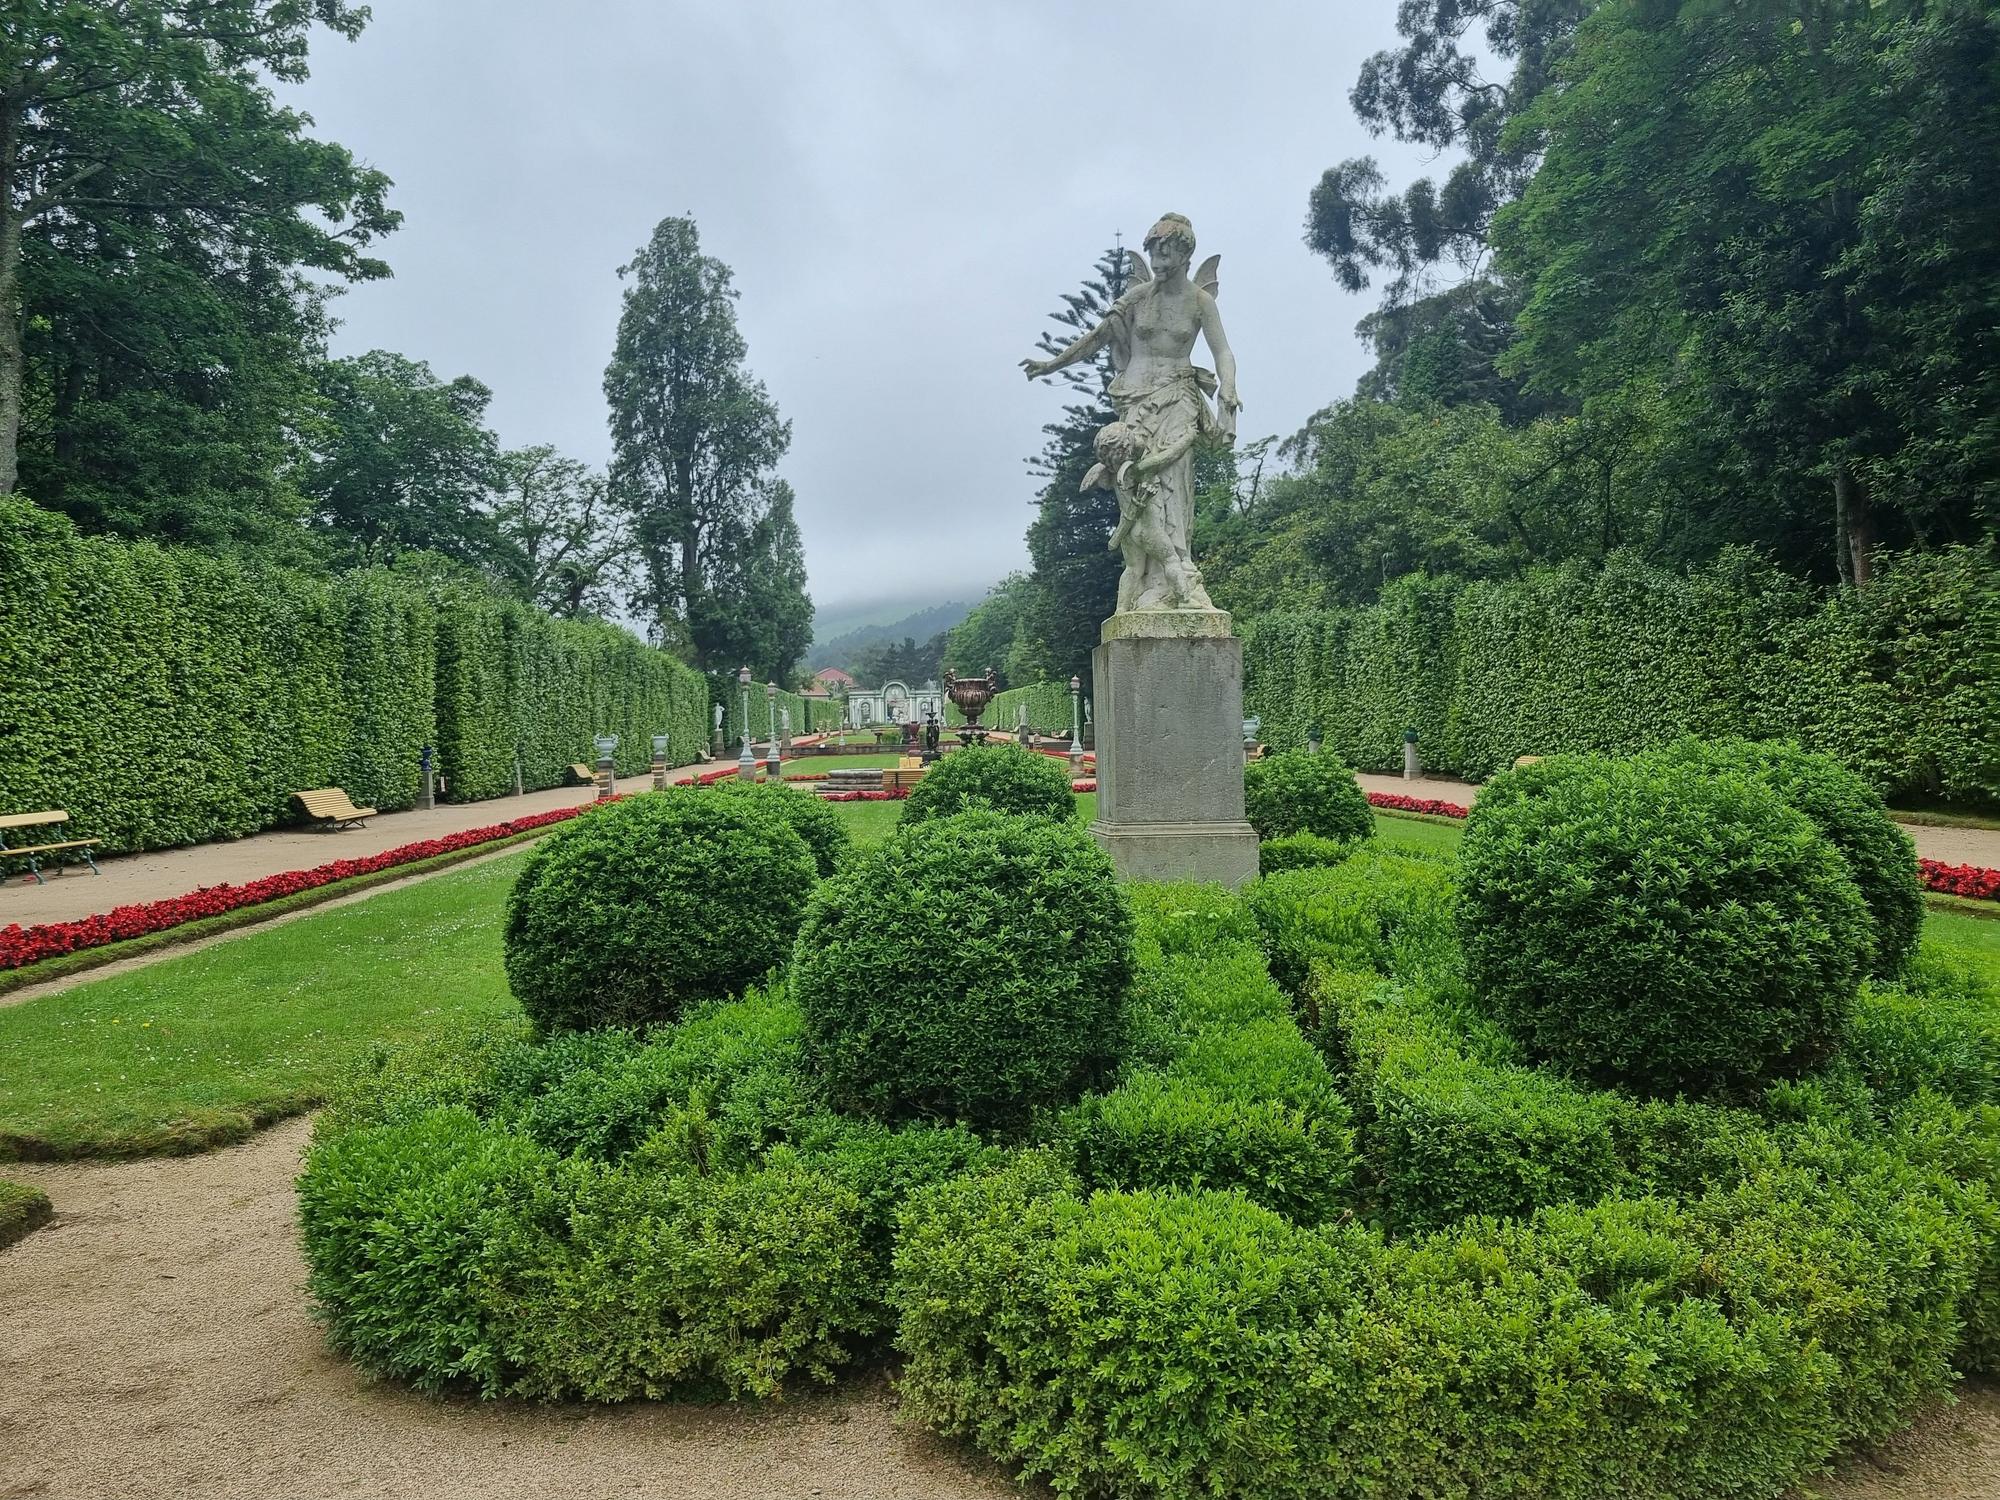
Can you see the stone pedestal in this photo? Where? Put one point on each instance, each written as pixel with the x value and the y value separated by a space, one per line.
pixel 1169 721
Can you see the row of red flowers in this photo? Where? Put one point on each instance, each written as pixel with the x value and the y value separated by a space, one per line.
pixel 20 946
pixel 1960 880
pixel 1397 802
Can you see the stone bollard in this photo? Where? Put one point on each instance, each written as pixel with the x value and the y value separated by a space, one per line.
pixel 659 762
pixel 426 791
pixel 1412 771
pixel 607 776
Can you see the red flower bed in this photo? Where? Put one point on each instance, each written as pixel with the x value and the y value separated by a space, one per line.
pixel 1397 802
pixel 1085 785
pixel 897 795
pixel 1960 880
pixel 20 946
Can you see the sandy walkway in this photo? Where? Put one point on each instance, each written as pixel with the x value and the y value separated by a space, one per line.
pixel 157 1344
pixel 174 872
pixel 1955 846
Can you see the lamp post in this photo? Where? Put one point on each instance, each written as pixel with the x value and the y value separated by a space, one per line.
pixel 773 763
pixel 659 762
pixel 1075 727
pixel 746 763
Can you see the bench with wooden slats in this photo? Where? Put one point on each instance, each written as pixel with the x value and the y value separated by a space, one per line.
pixel 32 853
pixel 581 772
pixel 329 806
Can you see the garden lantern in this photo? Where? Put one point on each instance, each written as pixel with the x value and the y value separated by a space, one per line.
pixel 746 763
pixel 1075 727
pixel 771 762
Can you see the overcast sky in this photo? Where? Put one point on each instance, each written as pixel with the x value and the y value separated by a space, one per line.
pixel 904 192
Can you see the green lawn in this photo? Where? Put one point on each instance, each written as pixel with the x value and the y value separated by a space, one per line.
pixel 201 1048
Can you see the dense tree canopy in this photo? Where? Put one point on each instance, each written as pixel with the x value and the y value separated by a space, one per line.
pixel 159 212
pixel 1731 276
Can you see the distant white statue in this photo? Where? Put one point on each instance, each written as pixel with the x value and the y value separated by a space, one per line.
pixel 1146 456
pixel 718 718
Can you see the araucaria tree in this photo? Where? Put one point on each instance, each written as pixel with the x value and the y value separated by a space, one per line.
pixel 1074 582
pixel 157 209
pixel 695 441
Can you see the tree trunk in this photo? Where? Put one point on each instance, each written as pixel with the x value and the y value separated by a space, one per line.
pixel 1843 558
pixel 1858 521
pixel 12 373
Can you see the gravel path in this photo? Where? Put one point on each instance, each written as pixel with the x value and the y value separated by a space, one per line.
pixel 157 1344
pixel 154 876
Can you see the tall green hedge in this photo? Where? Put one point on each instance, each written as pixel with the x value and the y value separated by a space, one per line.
pixel 166 696
pixel 1897 681
pixel 809 715
pixel 1049 708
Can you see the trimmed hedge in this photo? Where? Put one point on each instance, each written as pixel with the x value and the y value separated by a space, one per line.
pixel 809 715
pixel 811 817
pixel 1292 793
pixel 1880 857
pixel 1050 709
pixel 1000 778
pixel 1896 681
pixel 1654 925
pixel 1222 1089
pixel 1679 1300
pixel 640 909
pixel 166 696
pixel 972 967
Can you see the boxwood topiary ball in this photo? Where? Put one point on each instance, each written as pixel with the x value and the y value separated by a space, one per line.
pixel 1660 927
pixel 812 819
pixel 1847 810
pixel 973 967
pixel 1001 778
pixel 1300 793
pixel 642 908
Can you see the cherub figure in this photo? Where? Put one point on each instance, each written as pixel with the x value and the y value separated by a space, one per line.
pixel 1155 576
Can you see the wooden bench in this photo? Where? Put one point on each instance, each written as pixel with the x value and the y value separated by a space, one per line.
pixel 32 852
pixel 328 806
pixel 583 774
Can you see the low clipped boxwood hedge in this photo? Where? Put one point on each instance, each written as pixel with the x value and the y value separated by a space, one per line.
pixel 641 908
pixel 973 967
pixel 810 817
pixel 1572 1292
pixel 1300 851
pixel 1299 793
pixel 1385 1256
pixel 998 778
pixel 1880 857
pixel 1659 926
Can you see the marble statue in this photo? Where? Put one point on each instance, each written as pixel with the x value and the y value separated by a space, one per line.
pixel 1146 456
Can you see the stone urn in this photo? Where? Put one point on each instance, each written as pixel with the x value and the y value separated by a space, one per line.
pixel 971 694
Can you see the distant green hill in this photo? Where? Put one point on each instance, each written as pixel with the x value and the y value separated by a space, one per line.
pixel 846 633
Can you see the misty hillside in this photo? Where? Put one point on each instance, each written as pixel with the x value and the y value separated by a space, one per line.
pixel 919 625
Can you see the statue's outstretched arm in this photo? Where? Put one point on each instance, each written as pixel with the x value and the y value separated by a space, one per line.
pixel 1083 348
pixel 1225 362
